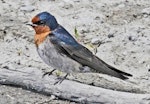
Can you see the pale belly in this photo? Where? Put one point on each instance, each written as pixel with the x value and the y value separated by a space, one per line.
pixel 51 57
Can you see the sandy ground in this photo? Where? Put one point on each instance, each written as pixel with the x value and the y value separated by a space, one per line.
pixel 117 29
pixel 12 95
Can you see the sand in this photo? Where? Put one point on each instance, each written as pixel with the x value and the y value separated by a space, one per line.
pixel 117 31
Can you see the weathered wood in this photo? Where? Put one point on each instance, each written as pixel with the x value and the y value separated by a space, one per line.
pixel 31 79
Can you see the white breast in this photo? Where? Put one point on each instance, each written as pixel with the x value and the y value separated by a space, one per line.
pixel 50 56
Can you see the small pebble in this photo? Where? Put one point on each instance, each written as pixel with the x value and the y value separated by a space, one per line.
pixel 132 38
pixel 121 5
pixel 29 65
pixel 95 41
pixel 146 11
pixel 84 31
pixel 67 6
pixel 75 17
pixel 110 35
pixel 27 8
pixel 6 67
pixel 145 15
pixel 52 97
pixel 97 18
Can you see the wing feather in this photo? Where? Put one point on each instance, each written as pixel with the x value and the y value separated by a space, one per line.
pixel 82 55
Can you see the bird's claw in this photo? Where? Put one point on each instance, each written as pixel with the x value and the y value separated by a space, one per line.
pixel 48 73
pixel 60 79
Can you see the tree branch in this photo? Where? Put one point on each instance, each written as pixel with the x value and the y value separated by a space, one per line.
pixel 31 79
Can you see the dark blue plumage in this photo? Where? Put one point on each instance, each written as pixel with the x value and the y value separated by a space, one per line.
pixel 62 35
pixel 48 19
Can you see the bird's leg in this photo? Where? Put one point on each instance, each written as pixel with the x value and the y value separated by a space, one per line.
pixel 49 73
pixel 60 79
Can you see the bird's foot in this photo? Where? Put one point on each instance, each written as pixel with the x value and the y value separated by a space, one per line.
pixel 61 79
pixel 48 73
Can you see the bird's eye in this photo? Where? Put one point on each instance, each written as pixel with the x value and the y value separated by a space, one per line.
pixel 40 23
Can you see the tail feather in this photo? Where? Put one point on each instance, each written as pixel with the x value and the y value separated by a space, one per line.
pixel 122 77
pixel 102 67
pixel 119 71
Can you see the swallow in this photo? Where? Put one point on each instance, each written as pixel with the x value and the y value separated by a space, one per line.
pixel 59 49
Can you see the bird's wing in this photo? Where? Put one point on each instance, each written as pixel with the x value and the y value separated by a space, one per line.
pixel 67 45
pixel 86 57
pixel 78 52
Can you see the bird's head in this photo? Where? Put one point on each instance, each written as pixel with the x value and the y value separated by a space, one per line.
pixel 44 22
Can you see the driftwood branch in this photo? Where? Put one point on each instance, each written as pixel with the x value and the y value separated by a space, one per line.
pixel 31 79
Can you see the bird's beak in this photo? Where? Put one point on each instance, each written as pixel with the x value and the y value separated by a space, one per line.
pixel 33 25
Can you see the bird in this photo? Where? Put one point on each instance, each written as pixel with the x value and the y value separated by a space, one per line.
pixel 60 50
